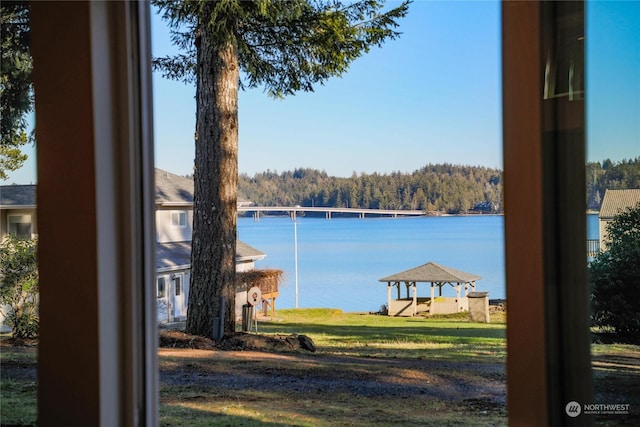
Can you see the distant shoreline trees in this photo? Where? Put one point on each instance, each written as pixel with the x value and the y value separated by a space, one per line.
pixel 612 176
pixel 443 188
pixel 440 188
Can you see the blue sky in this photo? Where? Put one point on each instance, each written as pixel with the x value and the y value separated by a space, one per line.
pixel 613 80
pixel 431 96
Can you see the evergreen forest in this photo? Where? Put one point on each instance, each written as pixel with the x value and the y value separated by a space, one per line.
pixel 610 175
pixel 442 188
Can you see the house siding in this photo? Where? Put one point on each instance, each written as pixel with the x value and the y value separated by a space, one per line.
pixel 167 232
pixel 170 307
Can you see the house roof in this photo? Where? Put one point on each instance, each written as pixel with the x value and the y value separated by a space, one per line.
pixel 176 190
pixel 174 255
pixel 173 189
pixel 245 252
pixel 616 200
pixel 432 272
pixel 15 196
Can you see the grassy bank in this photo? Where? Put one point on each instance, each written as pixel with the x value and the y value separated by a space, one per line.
pixel 450 338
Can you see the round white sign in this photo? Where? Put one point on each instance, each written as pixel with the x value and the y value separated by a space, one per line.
pixel 254 296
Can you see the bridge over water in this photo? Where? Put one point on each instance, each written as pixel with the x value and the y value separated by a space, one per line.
pixel 360 212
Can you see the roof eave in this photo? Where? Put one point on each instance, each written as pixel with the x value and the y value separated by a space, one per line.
pixel 6 207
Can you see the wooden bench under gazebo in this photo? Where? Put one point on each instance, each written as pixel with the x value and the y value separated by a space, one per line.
pixel 438 276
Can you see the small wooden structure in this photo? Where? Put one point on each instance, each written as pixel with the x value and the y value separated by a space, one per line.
pixel 266 280
pixel 438 276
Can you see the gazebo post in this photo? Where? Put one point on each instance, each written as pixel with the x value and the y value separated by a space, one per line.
pixel 398 286
pixel 459 303
pixel 432 298
pixel 415 298
pixel 388 297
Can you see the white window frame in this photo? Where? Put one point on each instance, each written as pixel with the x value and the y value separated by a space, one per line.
pixel 178 285
pixel 21 221
pixel 94 120
pixel 160 280
pixel 179 219
pixel 99 64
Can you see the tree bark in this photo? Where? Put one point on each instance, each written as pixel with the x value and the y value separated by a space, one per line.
pixel 216 185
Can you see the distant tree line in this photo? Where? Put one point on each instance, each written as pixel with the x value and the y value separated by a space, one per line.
pixel 609 175
pixel 443 188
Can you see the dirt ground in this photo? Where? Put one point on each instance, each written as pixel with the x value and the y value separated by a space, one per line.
pixel 301 375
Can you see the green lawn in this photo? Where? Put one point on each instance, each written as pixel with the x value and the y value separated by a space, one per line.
pixel 450 338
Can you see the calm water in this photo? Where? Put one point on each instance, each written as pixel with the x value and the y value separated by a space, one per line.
pixel 341 260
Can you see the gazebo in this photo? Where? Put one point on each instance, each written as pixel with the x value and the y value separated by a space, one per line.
pixel 437 275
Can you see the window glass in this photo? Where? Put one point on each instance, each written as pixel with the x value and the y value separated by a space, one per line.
pixel 20 225
pixel 178 281
pixel 161 287
pixel 179 219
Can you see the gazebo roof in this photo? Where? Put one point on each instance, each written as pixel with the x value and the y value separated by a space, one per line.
pixel 432 272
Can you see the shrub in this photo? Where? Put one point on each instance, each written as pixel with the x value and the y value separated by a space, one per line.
pixel 615 277
pixel 19 285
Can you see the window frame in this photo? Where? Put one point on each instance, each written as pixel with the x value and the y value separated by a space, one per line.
pixel 161 282
pixel 178 285
pixel 30 222
pixel 99 69
pixel 181 217
pixel 94 121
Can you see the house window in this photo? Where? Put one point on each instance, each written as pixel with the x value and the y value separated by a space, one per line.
pixel 20 225
pixel 161 287
pixel 178 287
pixel 179 219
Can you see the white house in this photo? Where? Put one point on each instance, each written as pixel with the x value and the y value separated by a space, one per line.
pixel 174 218
pixel 17 216
pixel 18 210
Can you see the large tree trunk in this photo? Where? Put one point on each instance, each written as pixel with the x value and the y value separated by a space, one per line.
pixel 216 186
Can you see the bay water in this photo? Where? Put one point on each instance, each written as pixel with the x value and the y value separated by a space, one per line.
pixel 341 260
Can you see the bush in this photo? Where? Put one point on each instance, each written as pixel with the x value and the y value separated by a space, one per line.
pixel 19 285
pixel 615 277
